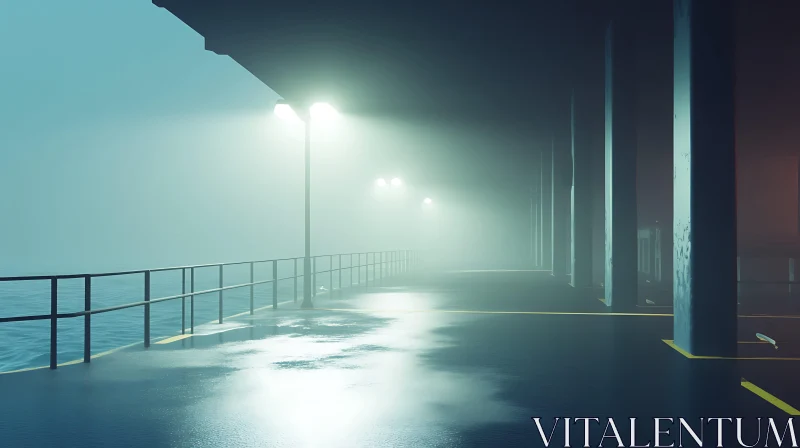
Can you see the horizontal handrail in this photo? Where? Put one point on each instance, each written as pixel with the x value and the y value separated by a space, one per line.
pixel 394 261
pixel 172 268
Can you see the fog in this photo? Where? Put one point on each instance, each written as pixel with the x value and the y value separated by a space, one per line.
pixel 126 145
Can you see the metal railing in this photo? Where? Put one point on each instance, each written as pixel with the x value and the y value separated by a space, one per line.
pixel 392 262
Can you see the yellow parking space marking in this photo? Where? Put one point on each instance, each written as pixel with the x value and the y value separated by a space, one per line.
pixel 162 341
pixel 768 397
pixel 74 361
pixel 174 338
pixel 683 352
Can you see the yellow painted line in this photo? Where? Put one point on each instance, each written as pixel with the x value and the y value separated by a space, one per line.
pixel 602 300
pixel 683 352
pixel 74 361
pixel 161 341
pixel 174 338
pixel 114 350
pixel 29 369
pixel 768 397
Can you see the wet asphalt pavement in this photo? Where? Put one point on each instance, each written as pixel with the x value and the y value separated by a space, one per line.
pixel 454 360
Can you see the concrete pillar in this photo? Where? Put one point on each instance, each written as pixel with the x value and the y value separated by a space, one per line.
pixel 621 279
pixel 792 270
pixel 798 195
pixel 539 233
pixel 534 234
pixel 580 194
pixel 558 205
pixel 704 225
pixel 544 202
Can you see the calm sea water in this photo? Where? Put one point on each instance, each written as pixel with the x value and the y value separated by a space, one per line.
pixel 27 344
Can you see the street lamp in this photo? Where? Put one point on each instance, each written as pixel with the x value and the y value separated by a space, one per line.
pixel 396 182
pixel 427 201
pixel 381 182
pixel 317 111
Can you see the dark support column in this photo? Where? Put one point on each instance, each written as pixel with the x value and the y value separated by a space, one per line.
pixel 539 226
pixel 544 207
pixel 558 213
pixel 704 223
pixel 534 230
pixel 580 194
pixel 621 278
pixel 798 195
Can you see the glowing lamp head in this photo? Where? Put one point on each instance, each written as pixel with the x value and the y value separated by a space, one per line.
pixel 323 111
pixel 396 182
pixel 285 112
pixel 381 182
pixel 427 201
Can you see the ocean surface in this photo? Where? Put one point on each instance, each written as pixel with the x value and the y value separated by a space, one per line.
pixel 27 344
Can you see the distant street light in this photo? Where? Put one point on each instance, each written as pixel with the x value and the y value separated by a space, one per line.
pixel 381 182
pixel 428 201
pixel 396 182
pixel 317 111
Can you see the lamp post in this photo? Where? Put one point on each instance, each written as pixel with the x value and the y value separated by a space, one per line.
pixel 317 110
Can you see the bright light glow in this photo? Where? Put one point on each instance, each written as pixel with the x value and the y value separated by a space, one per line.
pixel 396 182
pixel 428 201
pixel 323 111
pixel 285 112
pixel 381 182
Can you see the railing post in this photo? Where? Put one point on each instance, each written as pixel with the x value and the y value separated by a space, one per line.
pixel 87 319
pixel 220 293
pixel 330 274
pixel 340 272
pixel 351 270
pixel 366 270
pixel 251 288
pixel 183 301
pixel 358 273
pixel 53 323
pixel 295 279
pixel 191 302
pixel 381 266
pixel 274 284
pixel 314 277
pixel 147 309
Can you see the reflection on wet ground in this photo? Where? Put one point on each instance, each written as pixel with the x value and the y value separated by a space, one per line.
pixel 396 366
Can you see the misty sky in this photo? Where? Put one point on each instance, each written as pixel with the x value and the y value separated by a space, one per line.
pixel 126 145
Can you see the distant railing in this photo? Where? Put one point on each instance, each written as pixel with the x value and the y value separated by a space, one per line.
pixel 393 262
pixel 779 264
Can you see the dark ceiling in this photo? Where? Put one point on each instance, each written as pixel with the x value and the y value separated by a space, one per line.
pixel 486 59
